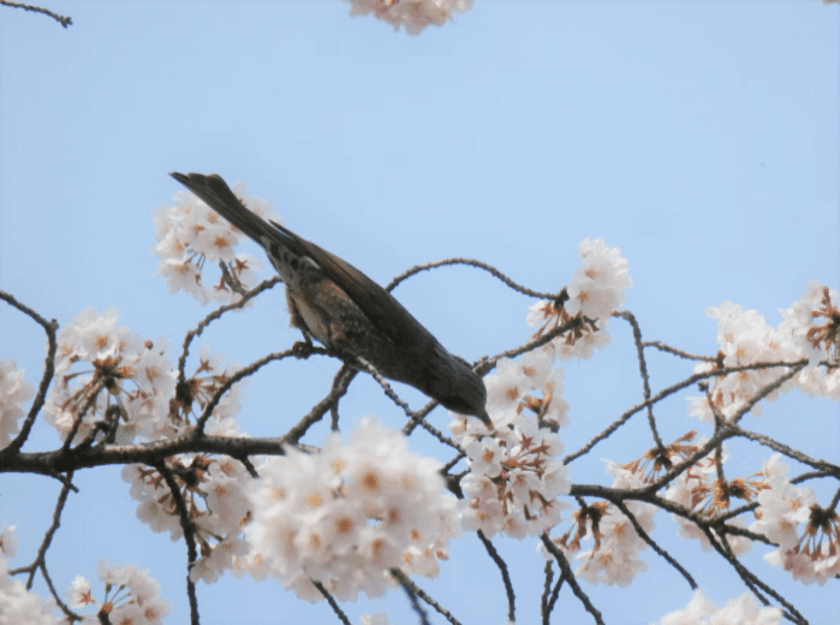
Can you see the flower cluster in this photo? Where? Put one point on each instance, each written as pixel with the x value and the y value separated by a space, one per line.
pixel 811 554
pixel 744 338
pixel 190 233
pixel 516 473
pixel 740 611
pixel 199 389
pixel 614 555
pixel 131 596
pixel 812 324
pixel 346 516
pixel 124 385
pixel 598 285
pixel 596 291
pixel 212 490
pixel 702 491
pixel 14 392
pixel 17 604
pixel 128 383
pixel 414 15
pixel 810 329
pixel 526 384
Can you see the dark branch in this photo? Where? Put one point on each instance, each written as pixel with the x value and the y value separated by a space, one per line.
pixel 64 21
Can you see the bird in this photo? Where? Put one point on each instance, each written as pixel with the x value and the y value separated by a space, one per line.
pixel 346 311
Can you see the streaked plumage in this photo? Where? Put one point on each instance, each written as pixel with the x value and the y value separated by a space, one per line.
pixel 346 311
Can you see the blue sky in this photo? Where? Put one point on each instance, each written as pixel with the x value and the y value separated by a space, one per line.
pixel 700 138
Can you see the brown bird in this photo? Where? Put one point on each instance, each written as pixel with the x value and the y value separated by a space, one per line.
pixel 351 315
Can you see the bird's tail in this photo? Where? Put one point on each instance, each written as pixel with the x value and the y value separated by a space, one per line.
pixel 218 196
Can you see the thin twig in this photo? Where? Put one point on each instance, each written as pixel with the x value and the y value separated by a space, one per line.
pixel 92 394
pixel 417 417
pixel 670 390
pixel 488 364
pixel 188 529
pixel 752 580
pixel 232 282
pixel 342 379
pixel 473 263
pixel 413 591
pixel 736 512
pixel 555 595
pixel 677 352
pixel 41 556
pixel 640 355
pixel 341 383
pixel 449 465
pixel 548 577
pixel 386 388
pixel 819 465
pixel 767 390
pixel 834 500
pixel 51 329
pixel 54 592
pixel 213 316
pixel 333 603
pixel 502 566
pixel 653 545
pixel 255 366
pixel 61 19
pixel 569 576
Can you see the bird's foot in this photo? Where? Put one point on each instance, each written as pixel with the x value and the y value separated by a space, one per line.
pixel 303 349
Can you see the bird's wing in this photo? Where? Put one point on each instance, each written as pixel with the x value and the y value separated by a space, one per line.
pixel 382 308
pixel 379 306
